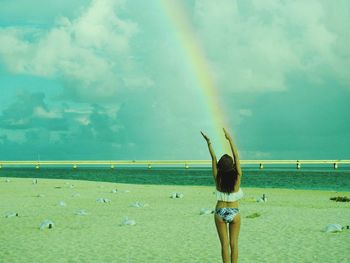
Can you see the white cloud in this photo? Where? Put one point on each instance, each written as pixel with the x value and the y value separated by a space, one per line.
pixel 254 45
pixel 29 117
pixel 87 53
pixel 110 47
pixel 41 112
pixel 78 111
pixel 15 51
pixel 84 120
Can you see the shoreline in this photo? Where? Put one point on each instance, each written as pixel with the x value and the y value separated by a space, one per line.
pixel 333 180
pixel 139 182
pixel 290 227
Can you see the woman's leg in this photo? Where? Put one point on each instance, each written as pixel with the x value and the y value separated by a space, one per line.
pixel 222 232
pixel 234 232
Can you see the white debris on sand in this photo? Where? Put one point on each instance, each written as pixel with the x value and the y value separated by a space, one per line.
pixel 333 228
pixel 11 214
pixel 139 204
pixel 81 212
pixel 206 211
pixel 62 203
pixel 128 222
pixel 262 199
pixel 176 195
pixel 103 200
pixel 46 224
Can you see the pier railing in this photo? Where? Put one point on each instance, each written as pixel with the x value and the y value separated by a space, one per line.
pixel 176 163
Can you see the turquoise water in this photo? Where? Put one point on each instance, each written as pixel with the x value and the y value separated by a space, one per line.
pixel 307 178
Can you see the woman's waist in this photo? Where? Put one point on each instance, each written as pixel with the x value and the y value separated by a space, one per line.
pixel 222 204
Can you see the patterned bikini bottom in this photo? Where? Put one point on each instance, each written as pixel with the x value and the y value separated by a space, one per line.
pixel 227 213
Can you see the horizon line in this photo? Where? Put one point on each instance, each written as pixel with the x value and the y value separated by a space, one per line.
pixel 260 162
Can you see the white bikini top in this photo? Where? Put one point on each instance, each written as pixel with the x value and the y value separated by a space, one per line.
pixel 231 197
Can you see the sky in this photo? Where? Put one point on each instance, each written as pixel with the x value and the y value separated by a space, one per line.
pixel 139 80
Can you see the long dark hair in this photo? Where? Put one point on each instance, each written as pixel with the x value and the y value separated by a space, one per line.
pixel 227 174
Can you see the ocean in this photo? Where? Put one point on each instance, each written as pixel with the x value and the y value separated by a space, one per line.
pixel 305 178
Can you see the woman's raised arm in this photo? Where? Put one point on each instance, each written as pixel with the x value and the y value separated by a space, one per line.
pixel 234 152
pixel 212 154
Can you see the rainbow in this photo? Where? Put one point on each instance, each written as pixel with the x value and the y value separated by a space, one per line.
pixel 198 65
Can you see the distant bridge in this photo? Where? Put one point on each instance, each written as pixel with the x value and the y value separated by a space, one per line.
pixel 175 163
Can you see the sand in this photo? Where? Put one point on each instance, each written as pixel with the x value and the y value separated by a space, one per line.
pixel 289 228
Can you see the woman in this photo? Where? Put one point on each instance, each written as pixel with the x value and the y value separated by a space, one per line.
pixel 227 175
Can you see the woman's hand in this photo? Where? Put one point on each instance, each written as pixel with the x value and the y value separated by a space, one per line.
pixel 205 137
pixel 227 135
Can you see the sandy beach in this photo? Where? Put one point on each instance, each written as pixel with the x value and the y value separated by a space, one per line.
pixel 86 228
